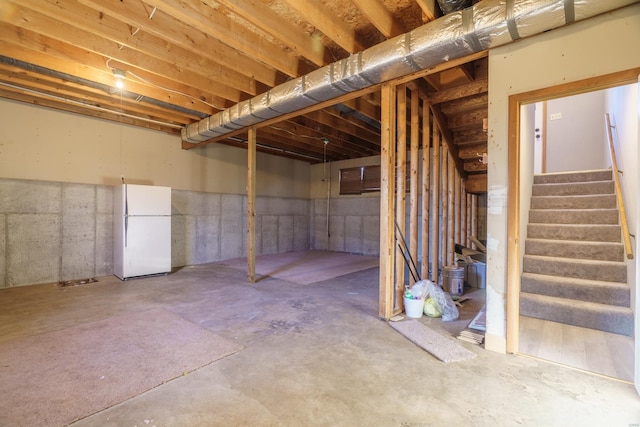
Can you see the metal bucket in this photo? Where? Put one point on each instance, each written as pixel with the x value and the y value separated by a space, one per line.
pixel 453 280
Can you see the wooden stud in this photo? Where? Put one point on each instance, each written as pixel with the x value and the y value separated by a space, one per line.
pixel 457 219
pixel 435 205
pixel 401 193
pixel 444 190
pixel 251 206
pixel 469 220
pixel 413 195
pixel 387 209
pixel 474 219
pixel 426 166
pixel 463 214
pixel 451 209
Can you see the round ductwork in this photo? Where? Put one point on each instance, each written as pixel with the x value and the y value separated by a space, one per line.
pixel 448 6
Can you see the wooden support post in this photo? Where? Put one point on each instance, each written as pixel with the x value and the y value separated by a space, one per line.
pixel 251 206
pixel 463 213
pixel 387 209
pixel 426 166
pixel 469 221
pixel 401 193
pixel 457 217
pixel 451 209
pixel 474 219
pixel 444 225
pixel 413 193
pixel 435 206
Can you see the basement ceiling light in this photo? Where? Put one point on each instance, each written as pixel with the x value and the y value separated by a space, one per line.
pixel 120 76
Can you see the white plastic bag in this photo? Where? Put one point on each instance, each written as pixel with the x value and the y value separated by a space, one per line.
pixel 443 300
pixel 419 289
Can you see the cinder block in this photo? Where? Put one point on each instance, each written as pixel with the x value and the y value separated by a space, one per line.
pixel 285 233
pixel 183 240
pixel 269 235
pixel 33 246
pixel 336 230
pixel 104 244
pixel 104 199
pixel 212 203
pixel 301 233
pixel 320 238
pixel 17 196
pixel 3 251
pixel 371 235
pixel 207 238
pixel 187 203
pixel 353 234
pixel 232 229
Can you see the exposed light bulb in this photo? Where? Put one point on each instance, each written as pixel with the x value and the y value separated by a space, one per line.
pixel 120 75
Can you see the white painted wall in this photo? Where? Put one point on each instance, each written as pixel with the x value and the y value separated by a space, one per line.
pixel 44 144
pixel 622 106
pixel 598 46
pixel 575 124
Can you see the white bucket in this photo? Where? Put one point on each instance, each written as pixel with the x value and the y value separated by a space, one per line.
pixel 413 307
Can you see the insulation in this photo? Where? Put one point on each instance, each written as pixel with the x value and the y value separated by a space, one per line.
pixel 488 24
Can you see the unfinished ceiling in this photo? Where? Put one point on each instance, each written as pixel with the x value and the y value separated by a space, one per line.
pixel 184 60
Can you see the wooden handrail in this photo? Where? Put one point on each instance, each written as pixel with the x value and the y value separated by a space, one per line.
pixel 623 216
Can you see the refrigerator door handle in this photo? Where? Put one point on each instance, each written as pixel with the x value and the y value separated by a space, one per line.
pixel 126 226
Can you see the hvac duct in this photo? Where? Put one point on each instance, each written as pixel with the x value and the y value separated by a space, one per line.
pixel 488 24
pixel 448 6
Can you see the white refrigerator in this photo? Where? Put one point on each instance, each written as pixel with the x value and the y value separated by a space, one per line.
pixel 141 230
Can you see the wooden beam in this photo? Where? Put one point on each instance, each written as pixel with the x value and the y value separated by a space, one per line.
pixel 414 176
pixel 426 194
pixel 264 18
pixel 387 209
pixel 323 18
pixel 428 9
pixel 439 118
pixel 164 27
pixel 463 214
pixel 435 205
pixel 476 183
pixel 461 91
pixel 401 192
pixel 469 220
pixel 251 206
pixel 204 18
pixel 380 17
pixel 457 220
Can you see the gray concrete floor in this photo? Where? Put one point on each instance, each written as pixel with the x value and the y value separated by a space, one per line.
pixel 316 355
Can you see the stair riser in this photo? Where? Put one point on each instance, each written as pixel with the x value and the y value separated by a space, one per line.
pixel 616 272
pixel 601 294
pixel 580 188
pixel 595 216
pixel 601 175
pixel 608 321
pixel 585 233
pixel 603 251
pixel 607 201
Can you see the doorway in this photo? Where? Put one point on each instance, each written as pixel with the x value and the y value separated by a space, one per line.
pixel 600 352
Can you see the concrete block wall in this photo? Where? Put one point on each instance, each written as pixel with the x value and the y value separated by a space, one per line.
pixel 354 225
pixel 53 231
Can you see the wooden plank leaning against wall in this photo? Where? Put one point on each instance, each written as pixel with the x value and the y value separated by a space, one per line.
pixel 447 213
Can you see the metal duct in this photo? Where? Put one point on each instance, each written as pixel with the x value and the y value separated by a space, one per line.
pixel 488 24
pixel 448 6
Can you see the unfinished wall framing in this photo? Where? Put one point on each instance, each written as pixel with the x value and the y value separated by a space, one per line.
pixel 418 234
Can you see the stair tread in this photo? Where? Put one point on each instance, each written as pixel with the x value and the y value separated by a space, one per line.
pixel 575 260
pixel 573 280
pixel 574 242
pixel 576 304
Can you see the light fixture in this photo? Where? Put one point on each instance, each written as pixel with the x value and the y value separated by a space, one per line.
pixel 120 76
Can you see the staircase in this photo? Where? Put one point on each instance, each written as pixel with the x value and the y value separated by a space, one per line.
pixel 573 268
